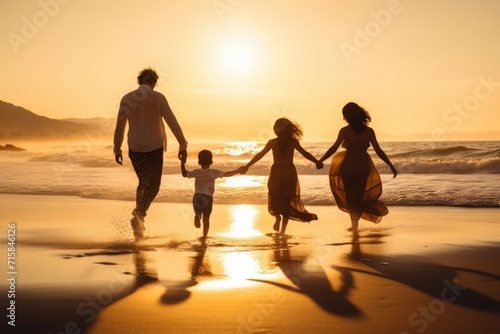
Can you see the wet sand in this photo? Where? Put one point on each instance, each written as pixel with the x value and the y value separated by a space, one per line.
pixel 422 269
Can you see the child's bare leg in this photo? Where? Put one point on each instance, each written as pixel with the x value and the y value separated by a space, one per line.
pixel 276 225
pixel 206 226
pixel 283 226
pixel 197 218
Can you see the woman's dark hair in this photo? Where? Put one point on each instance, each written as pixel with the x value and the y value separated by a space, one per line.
pixel 147 76
pixel 356 116
pixel 286 130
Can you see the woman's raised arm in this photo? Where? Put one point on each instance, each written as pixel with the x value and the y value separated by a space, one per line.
pixel 257 157
pixel 335 146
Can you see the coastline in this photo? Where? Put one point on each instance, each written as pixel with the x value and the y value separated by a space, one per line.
pixel 78 269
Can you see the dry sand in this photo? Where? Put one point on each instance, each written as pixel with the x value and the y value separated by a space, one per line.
pixel 421 270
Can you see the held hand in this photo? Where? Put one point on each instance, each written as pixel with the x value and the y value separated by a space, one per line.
pixel 319 165
pixel 243 170
pixel 119 159
pixel 182 155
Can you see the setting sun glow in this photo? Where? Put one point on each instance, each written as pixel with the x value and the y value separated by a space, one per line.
pixel 234 67
pixel 238 58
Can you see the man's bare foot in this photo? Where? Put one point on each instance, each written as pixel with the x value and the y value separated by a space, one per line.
pixel 276 225
pixel 137 228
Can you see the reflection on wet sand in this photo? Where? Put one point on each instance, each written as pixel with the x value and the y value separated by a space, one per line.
pixel 221 267
pixel 291 265
pixel 233 267
pixel 143 274
pixel 243 220
pixel 177 291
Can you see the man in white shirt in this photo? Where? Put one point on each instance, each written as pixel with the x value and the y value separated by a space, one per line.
pixel 144 110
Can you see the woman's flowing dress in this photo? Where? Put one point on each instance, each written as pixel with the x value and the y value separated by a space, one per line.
pixel 284 193
pixel 356 184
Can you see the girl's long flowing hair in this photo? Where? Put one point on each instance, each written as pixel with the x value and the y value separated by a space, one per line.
pixel 286 130
pixel 356 116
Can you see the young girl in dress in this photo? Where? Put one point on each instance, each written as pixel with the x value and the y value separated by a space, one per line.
pixel 283 185
pixel 354 181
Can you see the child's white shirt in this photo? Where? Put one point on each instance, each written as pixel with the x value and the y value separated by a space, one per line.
pixel 205 180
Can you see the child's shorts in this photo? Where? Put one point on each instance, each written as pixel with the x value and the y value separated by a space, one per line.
pixel 202 203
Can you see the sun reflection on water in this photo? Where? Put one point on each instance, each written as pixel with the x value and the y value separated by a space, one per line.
pixel 238 267
pixel 243 219
pixel 242 147
pixel 239 264
pixel 242 181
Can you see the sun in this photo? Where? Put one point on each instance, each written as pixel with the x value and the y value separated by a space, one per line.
pixel 238 57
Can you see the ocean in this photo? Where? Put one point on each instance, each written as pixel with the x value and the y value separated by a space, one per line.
pixel 430 173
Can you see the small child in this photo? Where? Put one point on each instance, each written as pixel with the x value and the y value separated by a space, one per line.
pixel 204 187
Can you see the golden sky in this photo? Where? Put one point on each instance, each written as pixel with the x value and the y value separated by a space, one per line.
pixel 418 66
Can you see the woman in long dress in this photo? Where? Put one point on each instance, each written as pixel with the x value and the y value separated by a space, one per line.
pixel 354 180
pixel 284 201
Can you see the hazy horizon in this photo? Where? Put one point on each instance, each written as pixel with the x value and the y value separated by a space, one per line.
pixel 196 131
pixel 250 62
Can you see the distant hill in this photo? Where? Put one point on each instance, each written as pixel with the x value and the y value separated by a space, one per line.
pixel 17 122
pixel 11 148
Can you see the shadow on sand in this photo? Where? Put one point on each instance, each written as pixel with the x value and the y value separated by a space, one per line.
pixel 432 278
pixel 310 279
pixel 57 309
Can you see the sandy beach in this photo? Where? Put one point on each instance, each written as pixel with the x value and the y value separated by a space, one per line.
pixel 77 270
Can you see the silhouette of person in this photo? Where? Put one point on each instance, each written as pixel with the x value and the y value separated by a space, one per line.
pixel 354 180
pixel 283 184
pixel 309 278
pixel 144 110
pixel 435 279
pixel 204 187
